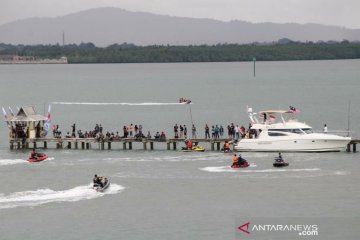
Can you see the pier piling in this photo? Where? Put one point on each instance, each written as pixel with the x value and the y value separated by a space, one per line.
pixel 144 145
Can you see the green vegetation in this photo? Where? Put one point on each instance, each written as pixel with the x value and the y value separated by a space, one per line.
pixel 129 53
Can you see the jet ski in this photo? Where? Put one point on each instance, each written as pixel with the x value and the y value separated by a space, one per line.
pixel 195 148
pixel 242 165
pixel 102 185
pixel 38 158
pixel 279 162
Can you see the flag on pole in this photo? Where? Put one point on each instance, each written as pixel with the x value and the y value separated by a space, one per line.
pixel 48 117
pixel 47 121
pixel 11 111
pixel 272 117
pixel 5 116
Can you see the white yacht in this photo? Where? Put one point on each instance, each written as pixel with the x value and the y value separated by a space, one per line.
pixel 275 132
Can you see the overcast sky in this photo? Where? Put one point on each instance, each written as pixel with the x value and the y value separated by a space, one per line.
pixel 344 13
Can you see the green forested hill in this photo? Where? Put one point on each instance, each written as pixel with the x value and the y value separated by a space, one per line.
pixel 129 53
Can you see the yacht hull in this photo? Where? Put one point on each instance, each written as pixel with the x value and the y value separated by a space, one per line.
pixel 292 145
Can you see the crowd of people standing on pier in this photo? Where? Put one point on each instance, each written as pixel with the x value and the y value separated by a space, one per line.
pixel 128 131
pixel 180 131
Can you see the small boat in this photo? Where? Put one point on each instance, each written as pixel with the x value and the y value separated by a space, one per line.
pixel 103 185
pixel 184 101
pixel 39 157
pixel 243 165
pixel 193 149
pixel 280 163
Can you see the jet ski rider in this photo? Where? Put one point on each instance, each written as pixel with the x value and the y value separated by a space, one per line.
pixel 279 158
pixel 189 144
pixel 33 154
pixel 235 160
pixel 97 180
pixel 226 146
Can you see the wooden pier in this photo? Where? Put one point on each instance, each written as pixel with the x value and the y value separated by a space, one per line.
pixel 124 143
pixel 127 143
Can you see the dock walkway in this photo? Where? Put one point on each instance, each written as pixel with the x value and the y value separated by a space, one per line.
pixel 127 143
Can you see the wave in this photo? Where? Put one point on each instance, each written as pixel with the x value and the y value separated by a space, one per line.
pixel 342 172
pixel 4 162
pixel 229 169
pixel 43 196
pixel 122 104
pixel 179 158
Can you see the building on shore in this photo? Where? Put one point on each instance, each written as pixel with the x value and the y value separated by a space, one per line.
pixel 15 59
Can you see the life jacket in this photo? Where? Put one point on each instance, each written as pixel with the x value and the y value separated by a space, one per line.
pixel 235 159
pixel 227 145
pixel 189 144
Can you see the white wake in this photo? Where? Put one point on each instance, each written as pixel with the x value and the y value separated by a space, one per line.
pixel 274 170
pixel 121 103
pixel 43 196
pixel 4 162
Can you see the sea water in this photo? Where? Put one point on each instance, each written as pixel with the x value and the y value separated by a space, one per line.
pixel 164 194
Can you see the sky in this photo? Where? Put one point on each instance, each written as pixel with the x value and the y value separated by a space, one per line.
pixel 343 13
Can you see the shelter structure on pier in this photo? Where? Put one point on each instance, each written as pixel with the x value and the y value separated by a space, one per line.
pixel 27 124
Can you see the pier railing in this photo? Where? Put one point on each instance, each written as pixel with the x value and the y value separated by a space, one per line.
pixel 102 144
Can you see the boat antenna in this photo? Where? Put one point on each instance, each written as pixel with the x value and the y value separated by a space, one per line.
pixel 348 128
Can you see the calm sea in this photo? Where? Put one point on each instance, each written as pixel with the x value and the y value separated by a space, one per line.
pixel 171 195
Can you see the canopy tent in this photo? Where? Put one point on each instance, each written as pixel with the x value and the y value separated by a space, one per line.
pixel 27 124
pixel 27 114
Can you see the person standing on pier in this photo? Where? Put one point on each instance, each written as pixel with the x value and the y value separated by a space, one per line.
pixel 73 130
pixel 221 130
pixel 181 131
pixel 176 131
pixel 96 128
pixel 207 131
pixel 131 129
pixel 125 131
pixel 193 131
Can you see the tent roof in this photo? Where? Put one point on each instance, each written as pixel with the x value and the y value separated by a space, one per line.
pixel 27 114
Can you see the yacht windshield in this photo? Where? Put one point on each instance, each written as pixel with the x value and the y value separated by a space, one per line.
pixel 293 130
pixel 307 130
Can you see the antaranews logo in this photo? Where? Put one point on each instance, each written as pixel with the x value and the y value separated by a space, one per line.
pixel 245 227
pixel 300 229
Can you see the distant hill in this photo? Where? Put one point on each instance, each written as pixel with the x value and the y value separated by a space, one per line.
pixel 105 26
